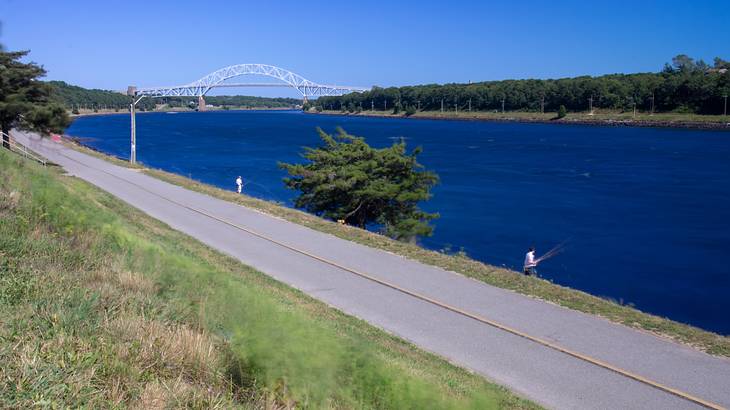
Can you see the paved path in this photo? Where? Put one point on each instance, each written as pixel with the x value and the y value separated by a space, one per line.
pixel 543 374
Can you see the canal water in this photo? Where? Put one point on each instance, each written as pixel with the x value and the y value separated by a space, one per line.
pixel 644 213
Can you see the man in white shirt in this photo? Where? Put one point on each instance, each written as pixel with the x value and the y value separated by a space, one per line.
pixel 530 262
pixel 239 183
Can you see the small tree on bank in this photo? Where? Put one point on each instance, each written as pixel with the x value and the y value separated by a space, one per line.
pixel 562 112
pixel 346 179
pixel 24 100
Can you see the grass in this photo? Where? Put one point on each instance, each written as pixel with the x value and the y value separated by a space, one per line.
pixel 542 289
pixel 599 117
pixel 104 306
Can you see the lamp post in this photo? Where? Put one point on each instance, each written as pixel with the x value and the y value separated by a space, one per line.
pixel 132 92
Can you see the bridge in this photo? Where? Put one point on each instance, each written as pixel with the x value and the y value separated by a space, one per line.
pixel 217 79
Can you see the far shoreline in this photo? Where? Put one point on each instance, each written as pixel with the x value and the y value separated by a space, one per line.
pixel 519 117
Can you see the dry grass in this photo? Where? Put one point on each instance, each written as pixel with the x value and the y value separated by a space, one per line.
pixel 167 350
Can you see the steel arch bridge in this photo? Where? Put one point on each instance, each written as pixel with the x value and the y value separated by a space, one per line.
pixel 216 79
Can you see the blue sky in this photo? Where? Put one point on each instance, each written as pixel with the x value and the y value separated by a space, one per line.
pixel 113 44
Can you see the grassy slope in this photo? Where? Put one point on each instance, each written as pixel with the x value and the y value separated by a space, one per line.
pixel 535 287
pixel 104 307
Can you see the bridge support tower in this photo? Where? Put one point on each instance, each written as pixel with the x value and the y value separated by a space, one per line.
pixel 201 103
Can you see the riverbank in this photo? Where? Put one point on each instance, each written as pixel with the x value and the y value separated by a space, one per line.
pixel 599 118
pixel 105 306
pixel 535 287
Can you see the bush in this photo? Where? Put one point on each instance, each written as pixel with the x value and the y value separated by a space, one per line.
pixel 562 112
pixel 396 108
pixel 410 110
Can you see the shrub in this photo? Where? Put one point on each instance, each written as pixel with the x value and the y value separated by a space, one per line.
pixel 562 112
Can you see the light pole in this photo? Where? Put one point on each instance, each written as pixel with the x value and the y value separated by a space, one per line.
pixel 652 103
pixel 590 105
pixel 132 92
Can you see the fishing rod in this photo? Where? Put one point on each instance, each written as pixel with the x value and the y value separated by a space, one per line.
pixel 556 250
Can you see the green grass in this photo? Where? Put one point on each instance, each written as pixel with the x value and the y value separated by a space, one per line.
pixel 531 286
pixel 106 307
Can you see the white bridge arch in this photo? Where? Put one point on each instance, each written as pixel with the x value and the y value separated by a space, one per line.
pixel 216 79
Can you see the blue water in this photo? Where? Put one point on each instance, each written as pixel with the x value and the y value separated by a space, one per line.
pixel 646 212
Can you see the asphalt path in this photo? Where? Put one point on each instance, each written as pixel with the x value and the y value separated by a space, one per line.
pixel 407 298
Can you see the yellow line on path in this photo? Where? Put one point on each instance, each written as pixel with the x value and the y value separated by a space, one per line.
pixel 443 305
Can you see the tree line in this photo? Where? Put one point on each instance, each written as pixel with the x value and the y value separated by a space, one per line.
pixel 77 98
pixel 684 85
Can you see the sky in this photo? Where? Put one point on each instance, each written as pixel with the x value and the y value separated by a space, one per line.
pixel 110 45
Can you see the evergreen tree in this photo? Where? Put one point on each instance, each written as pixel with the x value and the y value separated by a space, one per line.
pixel 346 179
pixel 24 100
pixel 562 112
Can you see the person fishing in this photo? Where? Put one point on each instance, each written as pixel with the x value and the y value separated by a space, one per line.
pixel 239 184
pixel 530 262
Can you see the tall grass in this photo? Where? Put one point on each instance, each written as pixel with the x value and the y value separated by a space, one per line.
pixel 180 318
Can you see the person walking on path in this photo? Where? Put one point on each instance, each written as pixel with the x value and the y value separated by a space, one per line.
pixel 239 184
pixel 530 262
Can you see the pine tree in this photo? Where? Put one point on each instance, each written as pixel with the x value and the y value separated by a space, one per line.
pixel 346 179
pixel 24 100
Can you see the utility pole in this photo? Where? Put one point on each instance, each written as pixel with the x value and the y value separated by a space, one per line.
pixel 385 105
pixel 652 103
pixel 634 109
pixel 372 105
pixel 442 105
pixel 724 111
pixel 456 107
pixel 590 105
pixel 502 105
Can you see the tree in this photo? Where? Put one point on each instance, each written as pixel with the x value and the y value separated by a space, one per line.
pixel 24 100
pixel 720 63
pixel 345 179
pixel 562 112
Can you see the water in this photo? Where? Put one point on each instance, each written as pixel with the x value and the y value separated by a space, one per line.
pixel 645 211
